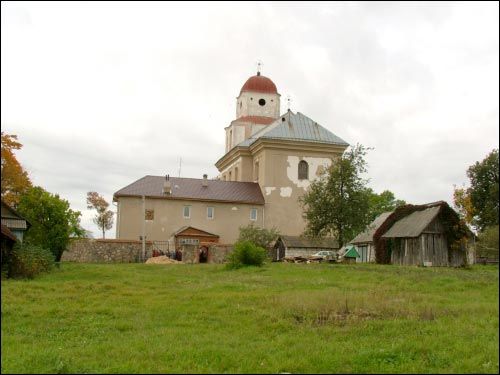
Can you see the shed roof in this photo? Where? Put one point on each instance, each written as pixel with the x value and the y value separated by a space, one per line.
pixel 413 224
pixel 367 234
pixel 297 127
pixel 299 241
pixel 192 189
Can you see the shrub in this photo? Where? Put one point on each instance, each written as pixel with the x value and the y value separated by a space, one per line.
pixel 246 253
pixel 259 236
pixel 29 260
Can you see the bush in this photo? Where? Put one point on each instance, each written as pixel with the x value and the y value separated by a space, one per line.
pixel 259 236
pixel 29 260
pixel 246 253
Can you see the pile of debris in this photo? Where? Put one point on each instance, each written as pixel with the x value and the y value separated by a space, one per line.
pixel 309 259
pixel 162 260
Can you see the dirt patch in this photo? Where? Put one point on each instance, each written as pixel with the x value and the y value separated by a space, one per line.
pixel 162 260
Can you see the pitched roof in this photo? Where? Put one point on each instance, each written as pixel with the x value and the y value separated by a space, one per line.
pixel 351 253
pixel 298 241
pixel 197 232
pixel 7 233
pixel 192 189
pixel 297 127
pixel 367 234
pixel 413 224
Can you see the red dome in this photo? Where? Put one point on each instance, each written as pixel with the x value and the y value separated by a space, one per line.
pixel 259 83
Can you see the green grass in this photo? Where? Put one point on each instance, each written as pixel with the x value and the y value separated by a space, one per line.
pixel 297 318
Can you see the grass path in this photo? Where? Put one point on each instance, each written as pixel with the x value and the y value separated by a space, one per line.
pixel 297 318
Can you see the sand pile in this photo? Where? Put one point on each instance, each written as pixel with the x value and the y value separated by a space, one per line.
pixel 162 260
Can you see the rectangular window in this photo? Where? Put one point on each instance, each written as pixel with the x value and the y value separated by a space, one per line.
pixel 150 215
pixel 187 212
pixel 253 214
pixel 210 213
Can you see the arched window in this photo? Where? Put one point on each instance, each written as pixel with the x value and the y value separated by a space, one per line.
pixel 303 170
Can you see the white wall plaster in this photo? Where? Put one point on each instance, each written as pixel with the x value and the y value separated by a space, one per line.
pixel 269 189
pixel 314 164
pixel 286 191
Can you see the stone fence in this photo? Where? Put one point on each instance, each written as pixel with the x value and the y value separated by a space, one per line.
pixel 105 251
pixel 216 253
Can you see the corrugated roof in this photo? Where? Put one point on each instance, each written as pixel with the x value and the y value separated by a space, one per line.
pixel 15 223
pixel 192 188
pixel 297 241
pixel 367 234
pixel 296 126
pixel 413 224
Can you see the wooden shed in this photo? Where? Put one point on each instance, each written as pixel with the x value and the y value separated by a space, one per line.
pixel 292 246
pixel 364 240
pixel 427 235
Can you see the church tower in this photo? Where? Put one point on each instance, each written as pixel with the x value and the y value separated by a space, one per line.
pixel 257 106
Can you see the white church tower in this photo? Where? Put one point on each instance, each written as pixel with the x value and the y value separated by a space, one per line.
pixel 257 106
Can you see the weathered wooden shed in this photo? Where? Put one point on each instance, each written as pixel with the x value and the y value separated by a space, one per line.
pixel 428 235
pixel 364 240
pixel 292 246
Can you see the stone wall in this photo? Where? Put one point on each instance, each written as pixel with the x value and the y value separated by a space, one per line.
pixel 216 253
pixel 105 251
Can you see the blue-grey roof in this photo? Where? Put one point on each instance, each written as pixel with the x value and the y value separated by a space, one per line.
pixel 413 224
pixel 296 127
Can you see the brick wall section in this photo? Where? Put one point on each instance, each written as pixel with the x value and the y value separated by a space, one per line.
pixel 105 251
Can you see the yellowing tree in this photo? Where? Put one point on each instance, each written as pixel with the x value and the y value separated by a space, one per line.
pixel 15 180
pixel 104 217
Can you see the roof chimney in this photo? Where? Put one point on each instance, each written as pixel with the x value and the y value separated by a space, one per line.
pixel 167 186
pixel 204 183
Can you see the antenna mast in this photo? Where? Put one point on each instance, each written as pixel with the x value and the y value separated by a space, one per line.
pixel 180 166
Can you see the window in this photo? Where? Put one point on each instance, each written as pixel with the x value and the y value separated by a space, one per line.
pixel 149 215
pixel 253 214
pixel 210 213
pixel 236 174
pixel 262 102
pixel 256 172
pixel 303 170
pixel 229 176
pixel 187 212
pixel 188 241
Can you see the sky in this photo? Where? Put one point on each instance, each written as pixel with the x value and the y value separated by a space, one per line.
pixel 101 94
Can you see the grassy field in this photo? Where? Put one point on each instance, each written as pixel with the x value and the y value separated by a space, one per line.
pixel 296 318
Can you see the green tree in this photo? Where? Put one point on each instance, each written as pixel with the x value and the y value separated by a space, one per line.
pixel 104 217
pixel 15 180
pixel 484 190
pixel 52 220
pixel 259 236
pixel 337 203
pixel 487 245
pixel 383 202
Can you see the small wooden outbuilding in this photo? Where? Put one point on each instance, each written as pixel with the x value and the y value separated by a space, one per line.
pixel 427 235
pixel 293 246
pixel 364 240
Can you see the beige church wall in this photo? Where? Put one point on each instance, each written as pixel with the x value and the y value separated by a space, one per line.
pixel 282 188
pixel 241 170
pixel 168 218
pixel 250 105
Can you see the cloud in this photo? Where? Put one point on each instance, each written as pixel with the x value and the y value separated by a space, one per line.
pixel 103 94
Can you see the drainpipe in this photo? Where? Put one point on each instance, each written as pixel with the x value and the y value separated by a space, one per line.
pixel 143 228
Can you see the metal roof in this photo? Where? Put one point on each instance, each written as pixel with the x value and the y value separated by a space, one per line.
pixel 297 127
pixel 192 189
pixel 297 241
pixel 413 224
pixel 367 234
pixel 15 223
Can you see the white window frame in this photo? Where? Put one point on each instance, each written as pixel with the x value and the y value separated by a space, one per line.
pixel 184 212
pixel 213 212
pixel 256 214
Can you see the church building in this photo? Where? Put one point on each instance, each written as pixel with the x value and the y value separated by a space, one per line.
pixel 269 162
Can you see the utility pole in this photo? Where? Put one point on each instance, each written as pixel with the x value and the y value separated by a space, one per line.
pixel 143 228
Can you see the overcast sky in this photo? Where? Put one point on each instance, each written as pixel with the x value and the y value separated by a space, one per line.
pixel 102 94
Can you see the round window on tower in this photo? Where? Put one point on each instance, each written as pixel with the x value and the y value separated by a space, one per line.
pixel 262 102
